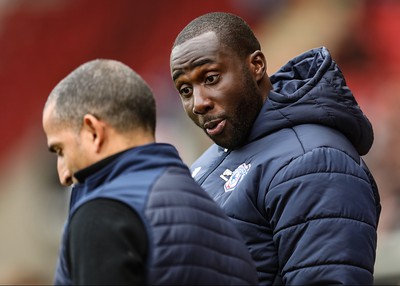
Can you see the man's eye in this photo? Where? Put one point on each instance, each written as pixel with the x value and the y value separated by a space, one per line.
pixel 185 91
pixel 212 79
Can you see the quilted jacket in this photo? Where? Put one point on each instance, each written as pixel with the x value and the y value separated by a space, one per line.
pixel 299 190
pixel 191 240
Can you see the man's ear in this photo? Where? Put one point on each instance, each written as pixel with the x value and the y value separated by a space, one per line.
pixel 258 65
pixel 94 131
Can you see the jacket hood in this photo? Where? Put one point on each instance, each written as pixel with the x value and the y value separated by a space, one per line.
pixel 311 89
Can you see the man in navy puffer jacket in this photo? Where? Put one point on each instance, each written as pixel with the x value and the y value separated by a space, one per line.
pixel 286 165
pixel 136 215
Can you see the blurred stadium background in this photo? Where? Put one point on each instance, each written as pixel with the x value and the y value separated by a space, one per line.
pixel 43 40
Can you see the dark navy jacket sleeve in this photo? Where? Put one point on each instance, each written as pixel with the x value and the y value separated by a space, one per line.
pixel 115 229
pixel 324 220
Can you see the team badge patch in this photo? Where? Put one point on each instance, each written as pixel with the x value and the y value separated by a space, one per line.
pixel 236 177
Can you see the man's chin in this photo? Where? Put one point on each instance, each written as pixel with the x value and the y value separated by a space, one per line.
pixel 216 139
pixel 223 143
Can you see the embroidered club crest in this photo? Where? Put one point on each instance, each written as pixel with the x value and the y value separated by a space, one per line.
pixel 236 177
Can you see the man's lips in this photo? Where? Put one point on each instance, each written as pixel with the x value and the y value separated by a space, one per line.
pixel 215 127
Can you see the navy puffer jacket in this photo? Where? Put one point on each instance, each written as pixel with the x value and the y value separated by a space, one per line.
pixel 191 241
pixel 298 191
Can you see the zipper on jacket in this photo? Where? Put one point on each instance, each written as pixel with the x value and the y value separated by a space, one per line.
pixel 213 167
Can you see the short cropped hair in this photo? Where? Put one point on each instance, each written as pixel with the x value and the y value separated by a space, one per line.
pixel 109 90
pixel 231 30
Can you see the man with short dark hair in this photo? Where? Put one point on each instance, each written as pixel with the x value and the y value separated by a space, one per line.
pixel 136 215
pixel 286 165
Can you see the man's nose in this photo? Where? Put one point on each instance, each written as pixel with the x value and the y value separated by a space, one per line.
pixel 202 102
pixel 64 174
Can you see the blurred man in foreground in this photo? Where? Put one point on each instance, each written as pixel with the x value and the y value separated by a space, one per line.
pixel 136 215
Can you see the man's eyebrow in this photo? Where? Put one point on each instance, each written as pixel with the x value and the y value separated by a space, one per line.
pixel 52 148
pixel 176 74
pixel 193 65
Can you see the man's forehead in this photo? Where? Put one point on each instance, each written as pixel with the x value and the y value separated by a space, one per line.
pixel 48 115
pixel 199 42
pixel 201 49
pixel 51 124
